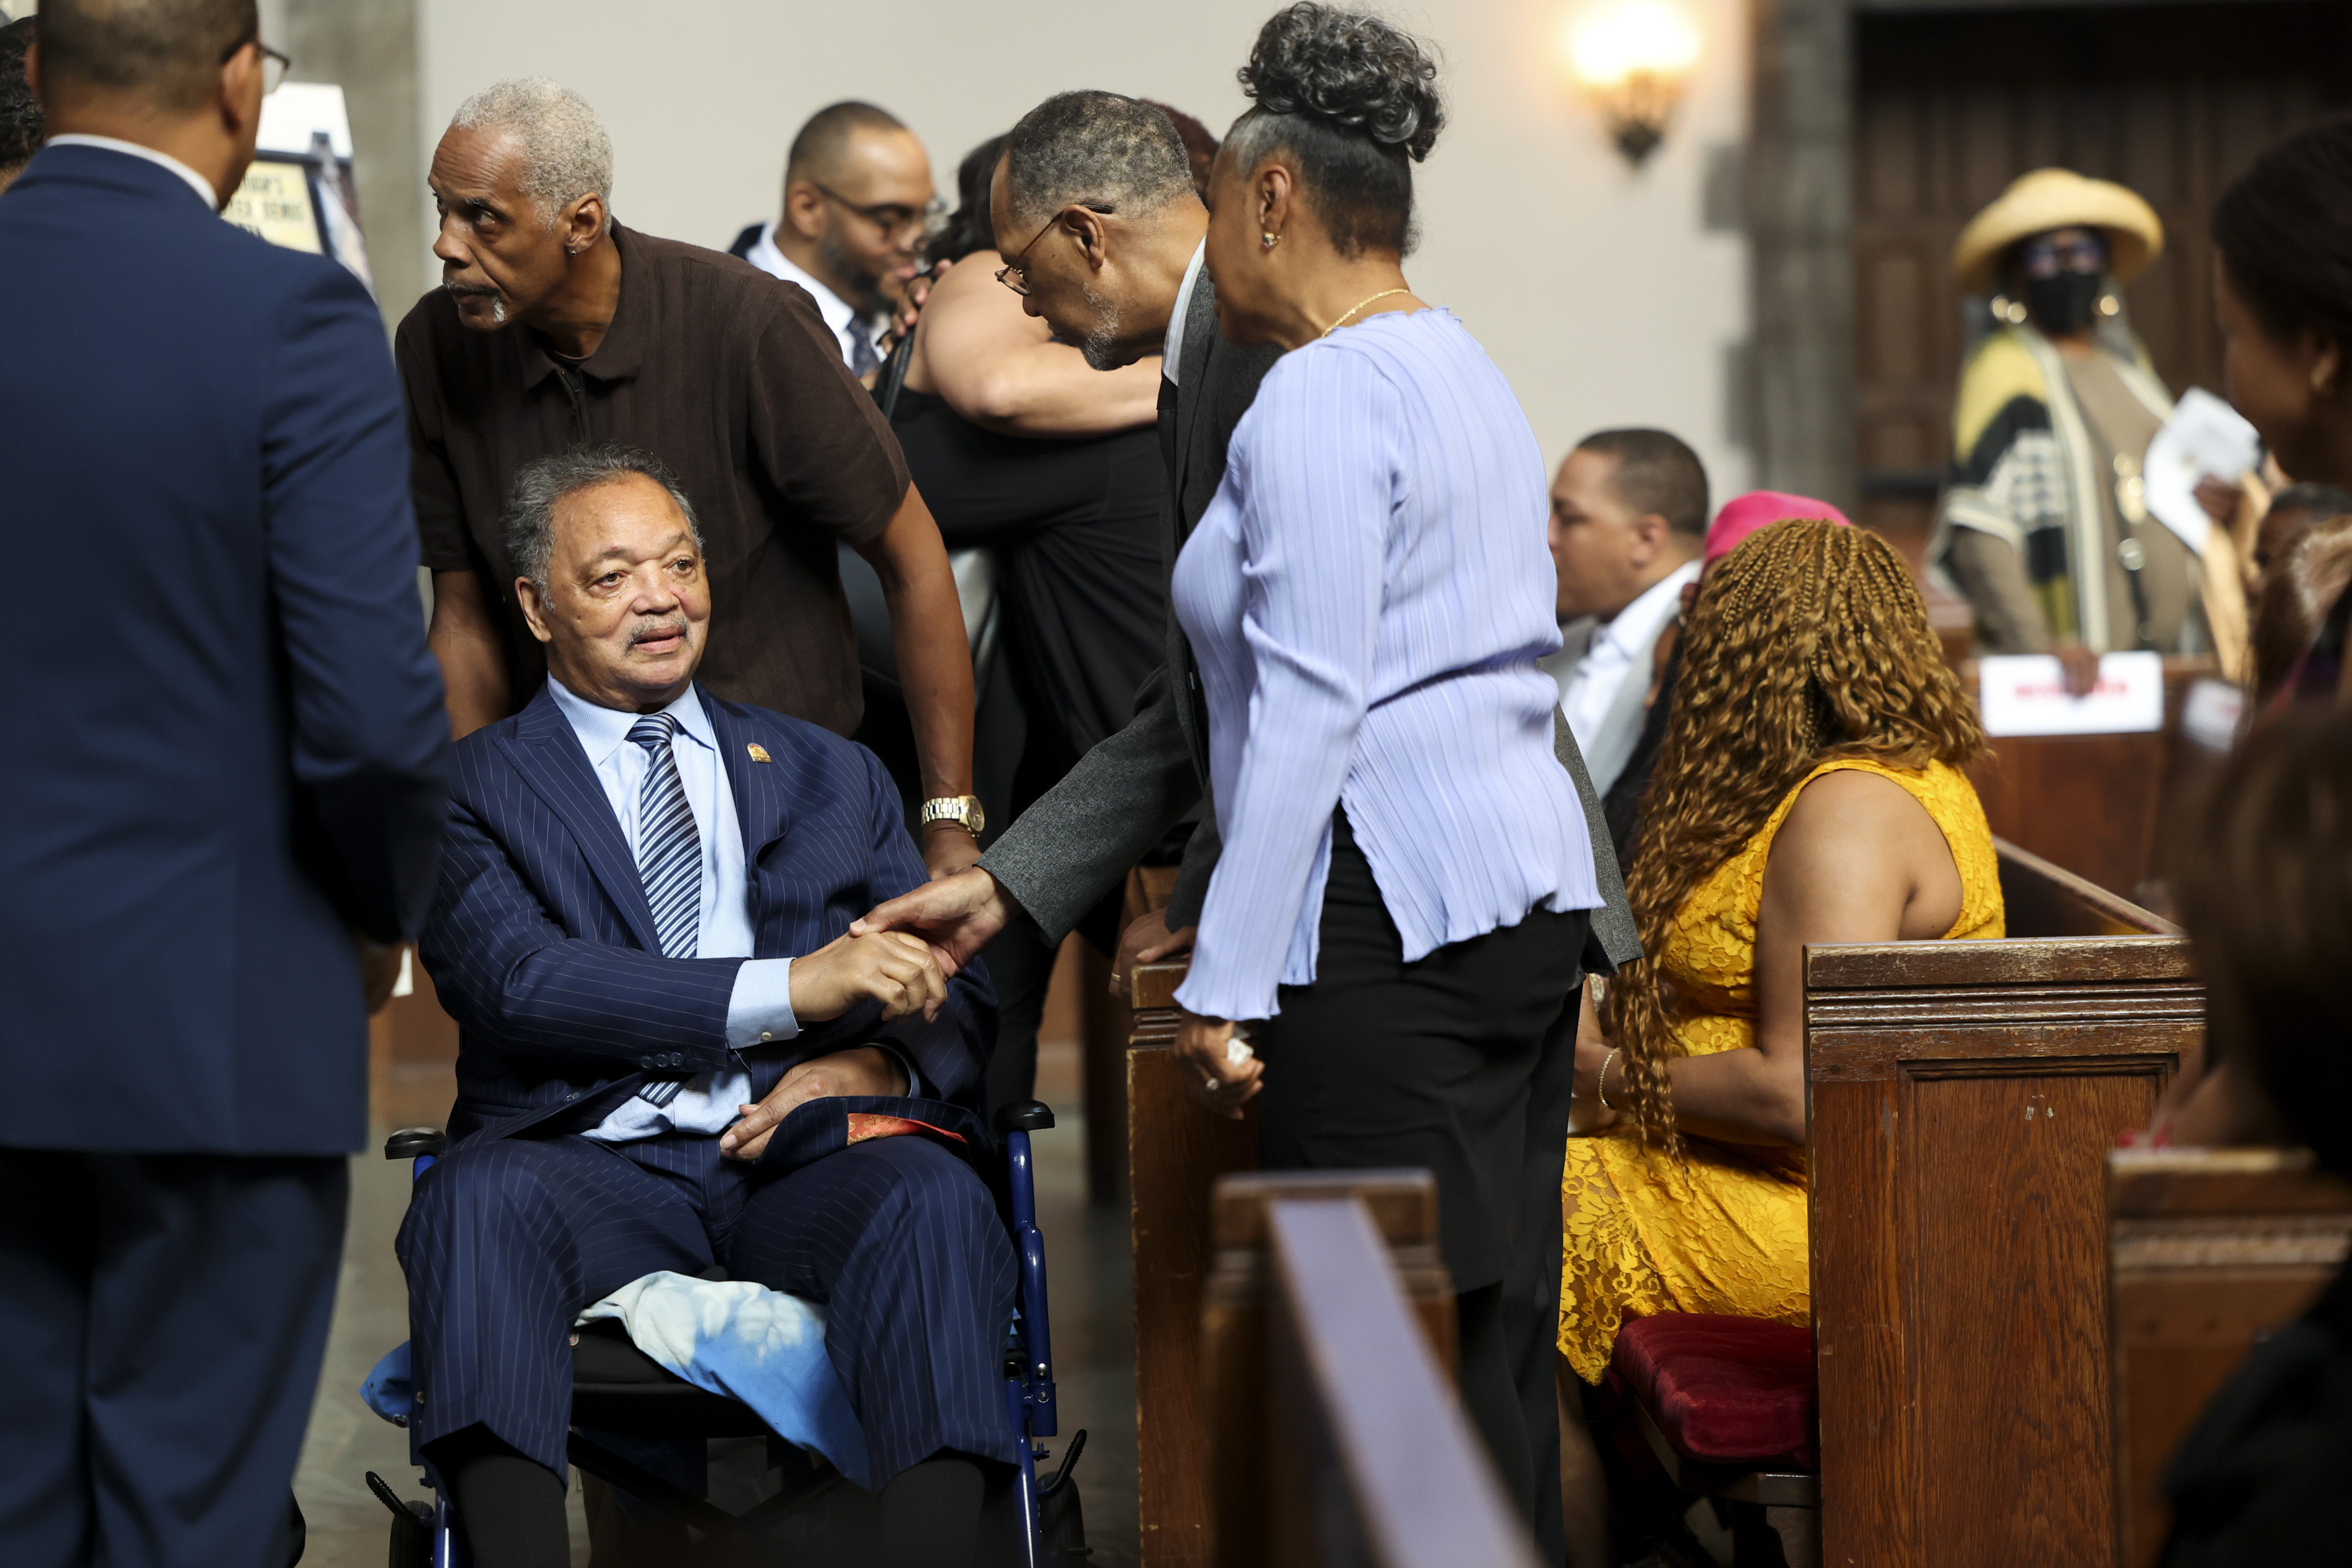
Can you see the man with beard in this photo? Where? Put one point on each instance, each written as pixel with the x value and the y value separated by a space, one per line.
pixel 2044 522
pixel 1094 208
pixel 857 200
pixel 533 344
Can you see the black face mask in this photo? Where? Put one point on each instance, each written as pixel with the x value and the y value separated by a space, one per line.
pixel 2064 304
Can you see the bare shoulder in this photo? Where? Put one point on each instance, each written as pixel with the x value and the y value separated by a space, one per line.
pixel 1853 816
pixel 973 276
pixel 1856 839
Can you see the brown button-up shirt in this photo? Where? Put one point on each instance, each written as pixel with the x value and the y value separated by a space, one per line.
pixel 729 377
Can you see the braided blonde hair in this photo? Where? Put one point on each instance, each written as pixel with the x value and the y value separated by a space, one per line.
pixel 1808 642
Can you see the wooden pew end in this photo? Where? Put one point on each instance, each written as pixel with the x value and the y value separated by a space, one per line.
pixel 2208 1249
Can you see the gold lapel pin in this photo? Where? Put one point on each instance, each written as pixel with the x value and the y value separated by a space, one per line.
pixel 759 753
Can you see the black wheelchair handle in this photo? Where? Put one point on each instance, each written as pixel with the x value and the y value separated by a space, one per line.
pixel 410 1141
pixel 1025 1116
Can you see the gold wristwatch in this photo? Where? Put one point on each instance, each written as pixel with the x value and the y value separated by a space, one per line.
pixel 963 810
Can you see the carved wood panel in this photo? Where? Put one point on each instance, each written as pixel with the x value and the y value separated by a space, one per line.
pixel 1963 1098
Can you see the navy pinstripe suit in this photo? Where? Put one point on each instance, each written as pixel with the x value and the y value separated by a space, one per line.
pixel 542 947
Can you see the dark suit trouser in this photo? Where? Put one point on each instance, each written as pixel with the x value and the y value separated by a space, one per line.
pixel 162 1321
pixel 506 1242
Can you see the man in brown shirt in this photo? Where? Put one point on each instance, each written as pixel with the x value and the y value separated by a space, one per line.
pixel 555 325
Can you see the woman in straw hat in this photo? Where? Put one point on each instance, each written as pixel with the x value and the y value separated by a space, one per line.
pixel 2043 524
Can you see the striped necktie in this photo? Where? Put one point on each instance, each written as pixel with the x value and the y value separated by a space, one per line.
pixel 669 856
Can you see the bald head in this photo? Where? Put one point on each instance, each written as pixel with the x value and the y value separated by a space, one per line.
pixel 821 151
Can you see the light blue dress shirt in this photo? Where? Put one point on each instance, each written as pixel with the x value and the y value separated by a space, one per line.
pixel 1367 597
pixel 759 1009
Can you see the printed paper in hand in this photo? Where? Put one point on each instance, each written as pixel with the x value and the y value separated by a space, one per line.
pixel 2025 694
pixel 2204 437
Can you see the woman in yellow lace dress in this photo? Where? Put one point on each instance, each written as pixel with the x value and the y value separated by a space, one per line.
pixel 1808 791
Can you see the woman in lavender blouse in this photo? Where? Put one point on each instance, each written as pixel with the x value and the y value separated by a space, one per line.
pixel 1398 908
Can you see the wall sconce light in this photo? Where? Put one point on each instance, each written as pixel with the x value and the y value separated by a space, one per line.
pixel 1633 58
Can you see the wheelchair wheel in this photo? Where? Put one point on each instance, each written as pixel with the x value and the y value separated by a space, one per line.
pixel 1063 1523
pixel 412 1527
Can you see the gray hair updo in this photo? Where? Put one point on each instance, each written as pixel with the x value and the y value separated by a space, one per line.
pixel 1354 100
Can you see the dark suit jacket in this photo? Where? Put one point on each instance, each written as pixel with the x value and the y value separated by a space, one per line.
pixel 229 738
pixel 543 949
pixel 1079 841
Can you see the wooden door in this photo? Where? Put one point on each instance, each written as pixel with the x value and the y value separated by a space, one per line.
pixel 2174 101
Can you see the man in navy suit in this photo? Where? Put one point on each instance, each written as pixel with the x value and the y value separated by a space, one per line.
pixel 223 799
pixel 642 933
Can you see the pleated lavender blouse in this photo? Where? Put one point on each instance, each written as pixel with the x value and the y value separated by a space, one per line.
pixel 1367 597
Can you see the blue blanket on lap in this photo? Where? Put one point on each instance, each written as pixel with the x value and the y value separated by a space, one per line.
pixel 730 1337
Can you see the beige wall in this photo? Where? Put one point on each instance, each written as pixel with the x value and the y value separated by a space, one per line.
pixel 1595 288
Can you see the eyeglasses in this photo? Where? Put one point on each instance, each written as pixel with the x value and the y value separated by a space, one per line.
pixel 274 65
pixel 890 217
pixel 1014 274
pixel 2046 258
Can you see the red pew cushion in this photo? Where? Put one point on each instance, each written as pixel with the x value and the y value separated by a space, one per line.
pixel 1725 1390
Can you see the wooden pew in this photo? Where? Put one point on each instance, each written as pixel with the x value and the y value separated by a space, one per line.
pixel 2093 803
pixel 1964 1098
pixel 1328 1334
pixel 2208 1249
pixel 1176 1152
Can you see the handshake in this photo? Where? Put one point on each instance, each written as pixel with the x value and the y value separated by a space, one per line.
pixel 899 970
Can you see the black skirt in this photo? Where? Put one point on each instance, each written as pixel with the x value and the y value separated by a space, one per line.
pixel 1381 1063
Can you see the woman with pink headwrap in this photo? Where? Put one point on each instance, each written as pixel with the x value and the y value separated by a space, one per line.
pixel 1740 516
pixel 1743 515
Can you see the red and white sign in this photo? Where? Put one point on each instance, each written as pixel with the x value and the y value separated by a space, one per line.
pixel 2025 694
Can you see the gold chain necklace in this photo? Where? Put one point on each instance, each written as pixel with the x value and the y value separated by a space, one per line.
pixel 1360 305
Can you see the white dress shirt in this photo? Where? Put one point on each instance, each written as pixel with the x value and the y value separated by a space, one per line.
pixel 839 314
pixel 760 1010
pixel 1175 344
pixel 196 183
pixel 1593 687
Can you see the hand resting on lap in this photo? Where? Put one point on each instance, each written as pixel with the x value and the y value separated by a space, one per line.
pixel 864 1070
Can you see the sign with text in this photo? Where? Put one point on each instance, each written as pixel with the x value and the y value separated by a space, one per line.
pixel 2025 694
pixel 275 202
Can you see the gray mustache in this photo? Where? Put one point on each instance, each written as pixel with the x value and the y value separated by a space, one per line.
pixel 658 625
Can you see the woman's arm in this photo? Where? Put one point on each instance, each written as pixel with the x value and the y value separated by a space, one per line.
pixel 998 366
pixel 1857 859
pixel 1313 467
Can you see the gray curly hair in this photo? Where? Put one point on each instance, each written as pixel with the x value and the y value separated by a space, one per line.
pixel 528 530
pixel 566 155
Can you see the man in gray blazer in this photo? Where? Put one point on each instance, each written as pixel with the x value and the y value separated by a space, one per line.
pixel 1116 271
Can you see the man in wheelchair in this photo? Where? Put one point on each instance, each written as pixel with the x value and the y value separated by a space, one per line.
pixel 639 930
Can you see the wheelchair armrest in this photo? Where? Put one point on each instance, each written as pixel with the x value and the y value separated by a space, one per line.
pixel 1025 1116
pixel 410 1141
